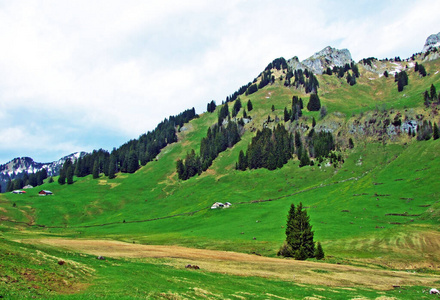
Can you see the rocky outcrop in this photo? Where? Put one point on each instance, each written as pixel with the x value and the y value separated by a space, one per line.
pixel 320 61
pixel 433 41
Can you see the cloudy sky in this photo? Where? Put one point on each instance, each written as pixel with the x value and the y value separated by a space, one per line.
pixel 83 75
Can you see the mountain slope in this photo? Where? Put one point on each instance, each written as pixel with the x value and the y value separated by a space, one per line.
pixel 378 208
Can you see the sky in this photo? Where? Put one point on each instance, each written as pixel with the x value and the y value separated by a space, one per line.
pixel 84 75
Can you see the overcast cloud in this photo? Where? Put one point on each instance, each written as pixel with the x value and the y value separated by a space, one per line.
pixel 84 75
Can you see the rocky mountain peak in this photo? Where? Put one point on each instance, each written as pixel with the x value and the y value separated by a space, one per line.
pixel 432 41
pixel 320 61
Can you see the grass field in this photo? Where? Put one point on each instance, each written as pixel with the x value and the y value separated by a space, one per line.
pixel 376 216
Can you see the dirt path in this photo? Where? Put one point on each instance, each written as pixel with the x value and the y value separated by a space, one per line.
pixel 241 264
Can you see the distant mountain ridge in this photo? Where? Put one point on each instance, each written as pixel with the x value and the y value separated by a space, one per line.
pixel 18 165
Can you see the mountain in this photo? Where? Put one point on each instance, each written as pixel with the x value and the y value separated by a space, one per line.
pixel 433 41
pixel 326 58
pixel 14 168
pixel 365 166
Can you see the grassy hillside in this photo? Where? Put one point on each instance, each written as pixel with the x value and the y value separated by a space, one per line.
pixel 377 210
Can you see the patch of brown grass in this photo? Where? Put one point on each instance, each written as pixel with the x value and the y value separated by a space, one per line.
pixel 105 182
pixel 241 264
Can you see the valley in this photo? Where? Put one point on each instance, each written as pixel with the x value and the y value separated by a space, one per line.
pixel 375 212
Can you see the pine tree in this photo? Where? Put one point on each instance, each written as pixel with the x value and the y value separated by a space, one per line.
pixel 95 170
pixel 69 175
pixel 211 106
pixel 236 108
pixel 180 167
pixel 350 143
pixel 112 167
pixel 299 234
pixel 286 115
pixel 422 70
pixel 249 105
pixel 433 93
pixel 132 162
pixel 304 159
pixel 314 103
pixel 435 133
pixel 426 99
pixel 402 80
pixel 242 161
pixel 319 253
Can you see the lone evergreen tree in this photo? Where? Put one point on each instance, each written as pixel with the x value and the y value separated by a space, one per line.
pixel 236 108
pixel 299 234
pixel 314 103
pixel 249 105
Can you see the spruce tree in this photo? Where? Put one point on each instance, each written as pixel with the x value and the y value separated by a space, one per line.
pixel 249 105
pixel 435 133
pixel 62 177
pixel 236 108
pixel 286 115
pixel 433 93
pixel 112 167
pixel 314 103
pixel 304 159
pixel 180 167
pixel 319 253
pixel 132 162
pixel 242 161
pixel 299 234
pixel 69 175
pixel 95 170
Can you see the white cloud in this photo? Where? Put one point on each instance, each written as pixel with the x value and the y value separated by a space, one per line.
pixel 119 67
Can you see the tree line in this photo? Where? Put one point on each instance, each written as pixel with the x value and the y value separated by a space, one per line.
pixel 131 155
pixel 218 138
pixel 271 149
pixel 342 71
pixel 302 78
pixel 25 178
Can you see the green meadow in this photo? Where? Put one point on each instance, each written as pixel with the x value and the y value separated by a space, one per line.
pixel 379 210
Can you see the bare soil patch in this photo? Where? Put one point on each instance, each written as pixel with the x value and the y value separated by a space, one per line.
pixel 241 264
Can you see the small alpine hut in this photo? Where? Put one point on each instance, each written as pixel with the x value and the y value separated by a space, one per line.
pixel 18 192
pixel 45 193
